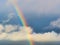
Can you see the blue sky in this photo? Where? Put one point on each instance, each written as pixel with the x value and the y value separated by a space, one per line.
pixel 42 16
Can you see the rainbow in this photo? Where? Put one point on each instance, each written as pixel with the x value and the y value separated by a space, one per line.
pixel 22 18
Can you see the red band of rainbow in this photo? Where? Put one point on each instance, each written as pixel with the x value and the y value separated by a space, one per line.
pixel 22 18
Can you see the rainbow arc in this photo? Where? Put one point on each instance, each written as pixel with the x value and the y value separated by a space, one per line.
pixel 23 20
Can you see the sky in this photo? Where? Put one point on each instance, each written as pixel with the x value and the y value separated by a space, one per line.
pixel 42 17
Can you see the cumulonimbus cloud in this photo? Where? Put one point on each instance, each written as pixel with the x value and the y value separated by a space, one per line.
pixel 18 33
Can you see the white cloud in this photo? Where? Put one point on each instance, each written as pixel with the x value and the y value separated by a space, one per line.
pixel 9 28
pixel 9 17
pixel 56 23
pixel 3 36
pixel 26 33
pixel 53 24
pixel 20 33
pixel 50 36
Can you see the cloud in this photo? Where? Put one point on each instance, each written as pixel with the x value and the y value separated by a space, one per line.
pixel 19 33
pixel 14 32
pixel 55 23
pixel 9 17
pixel 10 28
pixel 50 36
